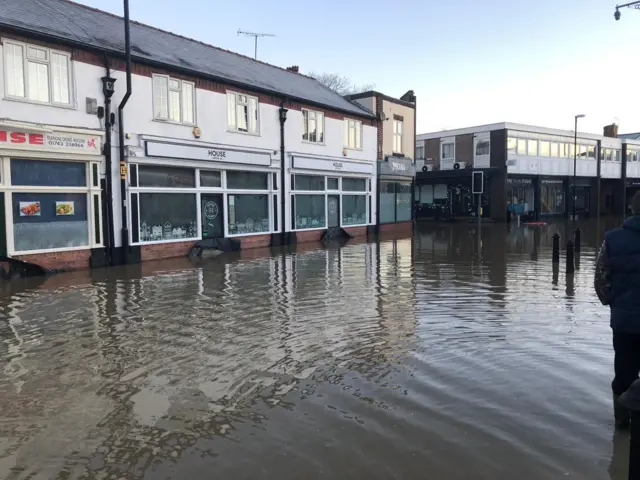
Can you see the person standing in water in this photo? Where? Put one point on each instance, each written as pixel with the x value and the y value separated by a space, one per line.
pixel 617 284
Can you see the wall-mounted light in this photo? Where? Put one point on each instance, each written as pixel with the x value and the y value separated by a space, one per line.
pixel 196 132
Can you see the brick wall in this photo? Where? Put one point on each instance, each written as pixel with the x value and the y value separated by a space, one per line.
pixel 166 250
pixel 401 227
pixel 309 236
pixel 255 241
pixel 356 231
pixel 464 148
pixel 73 260
pixel 379 109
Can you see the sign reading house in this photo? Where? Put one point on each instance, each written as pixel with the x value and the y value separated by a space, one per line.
pixel 50 141
pixel 193 152
pixel 309 163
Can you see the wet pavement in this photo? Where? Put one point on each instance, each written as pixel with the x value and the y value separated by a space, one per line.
pixel 449 355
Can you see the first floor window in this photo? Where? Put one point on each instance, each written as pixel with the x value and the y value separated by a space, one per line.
pixel 43 221
pixel 398 131
pixel 168 216
pixel 173 99
pixel 448 151
pixel 420 152
pixel 313 126
pixel 354 209
pixel 242 113
pixel 309 211
pixel 248 214
pixel 482 147
pixel 352 133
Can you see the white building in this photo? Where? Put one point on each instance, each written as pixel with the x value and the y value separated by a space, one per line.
pixel 202 146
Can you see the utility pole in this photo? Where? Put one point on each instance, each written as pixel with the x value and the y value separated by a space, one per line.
pixel 255 36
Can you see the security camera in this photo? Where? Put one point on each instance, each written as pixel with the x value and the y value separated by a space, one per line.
pixel 617 15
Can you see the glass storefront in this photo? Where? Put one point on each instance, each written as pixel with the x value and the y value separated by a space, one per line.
pixel 309 211
pixel 248 214
pixel 520 196
pixel 395 201
pixel 552 197
pixel 168 216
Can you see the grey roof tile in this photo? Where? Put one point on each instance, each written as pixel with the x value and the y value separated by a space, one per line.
pixel 73 22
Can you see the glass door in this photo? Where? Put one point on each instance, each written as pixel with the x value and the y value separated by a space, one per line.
pixel 333 207
pixel 212 207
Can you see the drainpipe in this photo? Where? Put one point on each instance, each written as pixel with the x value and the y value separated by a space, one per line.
pixel 123 163
pixel 283 201
pixel 107 204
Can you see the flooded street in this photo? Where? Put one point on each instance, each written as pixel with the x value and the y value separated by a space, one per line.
pixel 442 356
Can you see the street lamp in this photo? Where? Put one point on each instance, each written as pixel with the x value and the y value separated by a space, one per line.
pixel 617 13
pixel 575 160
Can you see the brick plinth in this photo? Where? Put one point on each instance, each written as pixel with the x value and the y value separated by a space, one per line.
pixel 166 250
pixel 401 227
pixel 72 260
pixel 255 241
pixel 356 231
pixel 309 236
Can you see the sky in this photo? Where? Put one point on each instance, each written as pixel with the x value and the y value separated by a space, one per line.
pixel 469 62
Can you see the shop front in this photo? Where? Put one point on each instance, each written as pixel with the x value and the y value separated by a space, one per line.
pixel 50 202
pixel 553 196
pixel 182 193
pixel 521 196
pixel 632 187
pixel 327 193
pixel 396 179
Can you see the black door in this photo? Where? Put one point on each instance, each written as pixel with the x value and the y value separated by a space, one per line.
pixel 3 228
pixel 333 207
pixel 212 215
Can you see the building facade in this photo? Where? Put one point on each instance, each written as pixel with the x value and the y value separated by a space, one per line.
pixel 396 156
pixel 528 171
pixel 214 145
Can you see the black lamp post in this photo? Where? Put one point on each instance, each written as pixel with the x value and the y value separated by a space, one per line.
pixel 617 13
pixel 575 162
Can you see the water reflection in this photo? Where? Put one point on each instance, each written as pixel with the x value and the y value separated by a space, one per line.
pixel 375 360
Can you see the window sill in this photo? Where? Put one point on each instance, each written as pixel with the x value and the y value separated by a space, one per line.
pixel 240 132
pixel 52 250
pixel 159 242
pixel 354 149
pixel 309 229
pixel 240 235
pixel 35 102
pixel 320 144
pixel 171 122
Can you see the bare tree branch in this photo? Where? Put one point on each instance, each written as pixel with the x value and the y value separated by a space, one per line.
pixel 340 84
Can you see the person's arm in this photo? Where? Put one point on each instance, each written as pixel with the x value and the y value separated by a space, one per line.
pixel 602 281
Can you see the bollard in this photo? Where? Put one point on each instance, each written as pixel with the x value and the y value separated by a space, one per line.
pixel 631 401
pixel 578 235
pixel 570 257
pixel 556 248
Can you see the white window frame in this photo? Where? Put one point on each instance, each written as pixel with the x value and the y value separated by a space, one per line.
pixel 480 141
pixel 419 152
pixel 398 135
pixel 356 125
pixel 92 192
pixel 244 100
pixel 447 143
pixel 305 126
pixel 157 116
pixel 25 73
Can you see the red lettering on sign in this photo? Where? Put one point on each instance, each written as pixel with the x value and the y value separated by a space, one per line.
pixel 3 136
pixel 18 137
pixel 36 139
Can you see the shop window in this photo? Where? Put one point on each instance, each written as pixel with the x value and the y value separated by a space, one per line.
pixel 167 177
pixel 210 178
pixel 43 221
pixel 247 180
pixel 333 184
pixel 426 194
pixel 552 198
pixel 403 202
pixel 37 74
pixel 309 211
pixel 354 209
pixel 532 147
pixel 313 126
pixel 388 202
pixel 352 134
pixel 545 149
pixel 248 214
pixel 242 113
pixel 167 216
pixel 354 185
pixel 174 99
pixel 308 182
pixel 44 173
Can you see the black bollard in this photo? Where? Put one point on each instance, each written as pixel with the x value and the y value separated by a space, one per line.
pixel 556 248
pixel 578 235
pixel 570 257
pixel 631 401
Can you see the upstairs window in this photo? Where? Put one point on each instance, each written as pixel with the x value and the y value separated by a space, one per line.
pixel 448 151
pixel 173 100
pixel 242 113
pixel 313 126
pixel 398 131
pixel 483 147
pixel 37 74
pixel 352 134
pixel 420 152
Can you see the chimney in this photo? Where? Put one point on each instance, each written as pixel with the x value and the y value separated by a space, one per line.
pixel 409 97
pixel 294 69
pixel 611 130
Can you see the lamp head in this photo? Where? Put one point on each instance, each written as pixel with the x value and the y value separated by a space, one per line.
pixel 617 14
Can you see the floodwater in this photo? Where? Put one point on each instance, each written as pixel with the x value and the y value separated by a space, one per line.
pixel 449 355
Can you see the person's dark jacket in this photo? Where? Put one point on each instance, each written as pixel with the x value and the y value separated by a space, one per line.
pixel 617 279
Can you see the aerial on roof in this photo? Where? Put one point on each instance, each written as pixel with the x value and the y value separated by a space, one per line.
pixel 72 22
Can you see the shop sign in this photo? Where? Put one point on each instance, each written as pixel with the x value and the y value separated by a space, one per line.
pixel 192 152
pixel 55 142
pixel 398 166
pixel 519 181
pixel 309 163
pixel 552 181
pixel 635 182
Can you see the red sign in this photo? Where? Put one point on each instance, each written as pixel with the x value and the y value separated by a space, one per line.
pixel 21 137
pixel 53 141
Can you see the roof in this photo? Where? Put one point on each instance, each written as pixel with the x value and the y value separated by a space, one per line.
pixel 511 126
pixel 69 22
pixel 373 93
pixel 630 136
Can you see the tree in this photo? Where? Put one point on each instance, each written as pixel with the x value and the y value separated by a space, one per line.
pixel 340 84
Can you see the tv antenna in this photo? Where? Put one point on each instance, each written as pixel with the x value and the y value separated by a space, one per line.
pixel 255 36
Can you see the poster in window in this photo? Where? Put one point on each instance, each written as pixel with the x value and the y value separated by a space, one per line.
pixel 65 208
pixel 29 209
